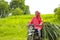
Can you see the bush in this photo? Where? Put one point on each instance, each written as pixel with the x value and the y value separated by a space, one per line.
pixel 17 11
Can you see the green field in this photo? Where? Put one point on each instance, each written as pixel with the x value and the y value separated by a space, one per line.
pixel 15 27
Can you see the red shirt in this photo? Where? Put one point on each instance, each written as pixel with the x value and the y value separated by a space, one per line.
pixel 35 21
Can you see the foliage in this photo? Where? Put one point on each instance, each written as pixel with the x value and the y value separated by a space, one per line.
pixel 4 8
pixel 55 9
pixel 15 27
pixel 19 4
pixel 57 13
pixel 26 10
pixel 16 4
pixel 50 31
pixel 17 11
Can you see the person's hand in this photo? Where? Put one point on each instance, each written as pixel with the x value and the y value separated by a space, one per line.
pixel 39 24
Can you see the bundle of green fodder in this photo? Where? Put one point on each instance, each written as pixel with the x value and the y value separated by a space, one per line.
pixel 50 31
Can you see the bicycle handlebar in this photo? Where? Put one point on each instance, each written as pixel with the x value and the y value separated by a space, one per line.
pixel 36 24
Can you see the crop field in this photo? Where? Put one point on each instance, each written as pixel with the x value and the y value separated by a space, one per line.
pixel 15 27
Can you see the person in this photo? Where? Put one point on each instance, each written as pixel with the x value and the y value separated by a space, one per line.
pixel 38 22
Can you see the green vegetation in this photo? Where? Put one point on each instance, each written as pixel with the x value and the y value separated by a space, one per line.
pixel 57 13
pixel 17 11
pixel 50 31
pixel 4 8
pixel 15 27
pixel 15 5
pixel 19 4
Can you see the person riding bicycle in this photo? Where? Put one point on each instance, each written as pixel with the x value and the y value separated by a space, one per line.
pixel 38 22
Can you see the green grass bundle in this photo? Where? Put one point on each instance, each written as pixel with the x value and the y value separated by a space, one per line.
pixel 50 31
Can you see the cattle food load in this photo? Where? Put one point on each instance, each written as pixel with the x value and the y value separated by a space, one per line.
pixel 50 31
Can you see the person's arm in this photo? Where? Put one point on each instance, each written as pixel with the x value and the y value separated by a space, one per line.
pixel 41 21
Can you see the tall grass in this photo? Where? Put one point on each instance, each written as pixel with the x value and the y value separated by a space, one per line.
pixel 15 27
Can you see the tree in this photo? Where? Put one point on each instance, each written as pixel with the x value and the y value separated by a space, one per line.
pixel 16 4
pixel 26 10
pixel 57 12
pixel 4 8
pixel 19 4
pixel 17 11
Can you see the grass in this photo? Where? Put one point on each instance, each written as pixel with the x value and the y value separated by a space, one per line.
pixel 15 27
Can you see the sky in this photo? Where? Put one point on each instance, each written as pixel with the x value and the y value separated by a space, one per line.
pixel 43 6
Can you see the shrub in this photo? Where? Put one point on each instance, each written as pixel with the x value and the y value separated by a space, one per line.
pixel 17 11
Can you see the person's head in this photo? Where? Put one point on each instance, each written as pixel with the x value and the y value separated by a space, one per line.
pixel 37 13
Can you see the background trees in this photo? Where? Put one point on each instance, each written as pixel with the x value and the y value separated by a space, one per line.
pixel 4 8
pixel 57 12
pixel 19 4
pixel 17 11
pixel 26 10
pixel 14 7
